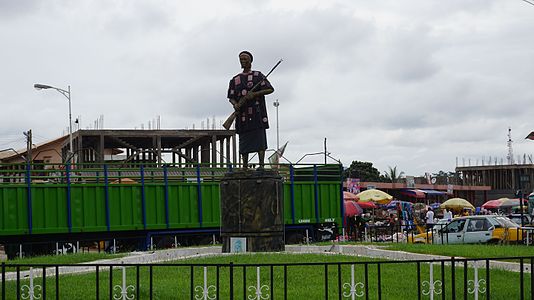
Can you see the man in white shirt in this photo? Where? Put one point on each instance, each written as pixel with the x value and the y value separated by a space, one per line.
pixel 429 218
pixel 447 215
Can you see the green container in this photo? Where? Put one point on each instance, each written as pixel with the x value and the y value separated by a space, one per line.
pixel 50 207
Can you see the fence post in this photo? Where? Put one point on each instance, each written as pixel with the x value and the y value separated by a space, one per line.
pixel 57 282
pixel 316 193
pixel 69 215
pixel 97 280
pixel 106 195
pixel 531 277
pixel 143 199
pixel 166 181
pixel 488 286
pixel 521 278
pixel 3 280
pixel 231 280
pixel 453 280
pixel 29 196
pixel 292 191
pixel 325 281
pixel 199 196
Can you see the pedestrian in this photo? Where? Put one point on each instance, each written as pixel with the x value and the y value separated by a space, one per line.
pixel 429 217
pixel 251 116
pixel 447 215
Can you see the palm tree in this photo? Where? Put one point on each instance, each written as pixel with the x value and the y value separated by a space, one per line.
pixel 392 175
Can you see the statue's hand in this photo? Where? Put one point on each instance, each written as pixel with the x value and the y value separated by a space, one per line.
pixel 251 95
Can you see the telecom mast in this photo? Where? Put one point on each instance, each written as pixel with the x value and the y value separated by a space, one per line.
pixel 510 156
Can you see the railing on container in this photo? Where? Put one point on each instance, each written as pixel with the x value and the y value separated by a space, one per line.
pixel 41 173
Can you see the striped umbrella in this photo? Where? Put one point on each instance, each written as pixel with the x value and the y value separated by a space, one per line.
pixel 352 209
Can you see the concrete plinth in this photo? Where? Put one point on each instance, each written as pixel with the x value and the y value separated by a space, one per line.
pixel 252 208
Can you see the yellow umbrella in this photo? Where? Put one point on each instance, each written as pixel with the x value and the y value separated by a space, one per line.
pixel 457 204
pixel 376 196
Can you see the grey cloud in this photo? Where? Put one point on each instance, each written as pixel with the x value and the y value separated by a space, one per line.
pixel 412 84
pixel 15 9
pixel 410 55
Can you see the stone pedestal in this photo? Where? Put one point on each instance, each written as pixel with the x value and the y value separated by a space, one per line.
pixel 252 208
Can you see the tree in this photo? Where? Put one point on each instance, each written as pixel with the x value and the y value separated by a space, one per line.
pixel 443 177
pixel 392 175
pixel 362 170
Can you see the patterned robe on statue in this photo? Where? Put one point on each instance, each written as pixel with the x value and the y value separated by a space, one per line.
pixel 252 121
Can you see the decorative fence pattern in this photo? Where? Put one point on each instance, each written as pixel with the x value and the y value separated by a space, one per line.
pixel 419 279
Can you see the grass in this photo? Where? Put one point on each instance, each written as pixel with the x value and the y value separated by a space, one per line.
pixel 398 280
pixel 465 250
pixel 59 259
pixel 456 250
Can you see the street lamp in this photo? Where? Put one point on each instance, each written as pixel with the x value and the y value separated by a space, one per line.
pixel 276 104
pixel 65 93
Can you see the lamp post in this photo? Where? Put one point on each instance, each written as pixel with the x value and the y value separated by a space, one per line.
pixel 276 104
pixel 65 93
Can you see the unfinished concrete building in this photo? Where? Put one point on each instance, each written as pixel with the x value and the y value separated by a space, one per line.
pixel 179 147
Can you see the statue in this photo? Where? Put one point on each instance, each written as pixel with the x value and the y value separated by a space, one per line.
pixel 247 92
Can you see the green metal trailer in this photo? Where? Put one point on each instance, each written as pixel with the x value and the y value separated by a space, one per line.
pixel 70 202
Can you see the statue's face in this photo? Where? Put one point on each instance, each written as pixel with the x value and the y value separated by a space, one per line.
pixel 245 61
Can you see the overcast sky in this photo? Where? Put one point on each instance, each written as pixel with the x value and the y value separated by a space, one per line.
pixel 412 84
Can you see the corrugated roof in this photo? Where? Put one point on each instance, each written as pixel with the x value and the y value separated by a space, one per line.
pixel 11 154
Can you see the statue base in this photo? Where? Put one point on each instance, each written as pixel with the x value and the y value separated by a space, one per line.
pixel 252 211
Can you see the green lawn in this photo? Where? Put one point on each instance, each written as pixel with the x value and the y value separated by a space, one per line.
pixel 398 280
pixel 465 250
pixel 60 259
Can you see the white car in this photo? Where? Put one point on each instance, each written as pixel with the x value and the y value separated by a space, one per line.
pixel 479 229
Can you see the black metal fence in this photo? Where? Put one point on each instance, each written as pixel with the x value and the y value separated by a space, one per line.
pixel 488 278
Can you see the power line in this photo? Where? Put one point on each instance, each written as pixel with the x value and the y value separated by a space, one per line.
pixel 531 3
pixel 14 141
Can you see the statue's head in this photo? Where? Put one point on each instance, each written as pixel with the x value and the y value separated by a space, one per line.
pixel 245 58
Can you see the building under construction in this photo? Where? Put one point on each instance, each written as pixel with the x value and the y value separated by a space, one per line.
pixel 180 147
pixel 505 180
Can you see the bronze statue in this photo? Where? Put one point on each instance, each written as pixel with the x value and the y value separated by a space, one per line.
pixel 247 92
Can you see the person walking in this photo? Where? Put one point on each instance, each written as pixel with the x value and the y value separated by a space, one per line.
pixel 447 215
pixel 429 217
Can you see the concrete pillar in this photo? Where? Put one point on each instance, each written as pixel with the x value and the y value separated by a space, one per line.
pixel 205 152
pixel 213 151
pixel 101 148
pixel 158 145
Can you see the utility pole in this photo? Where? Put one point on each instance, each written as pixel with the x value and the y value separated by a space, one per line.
pixel 510 155
pixel 325 153
pixel 29 143
pixel 277 104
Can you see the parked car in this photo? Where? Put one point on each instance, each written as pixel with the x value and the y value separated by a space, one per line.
pixel 426 237
pixel 474 229
pixel 481 229
pixel 516 218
